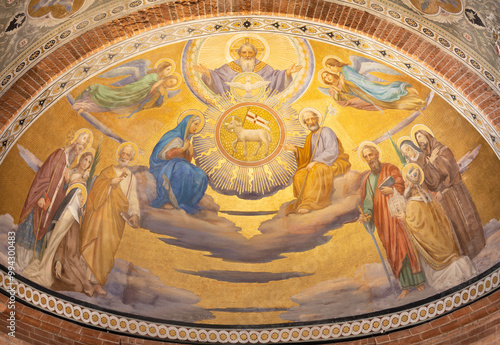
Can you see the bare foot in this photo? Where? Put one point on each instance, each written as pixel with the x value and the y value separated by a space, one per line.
pixel 99 290
pixel 421 287
pixel 403 293
pixel 412 90
pixel 168 206
pixel 303 210
pixel 58 269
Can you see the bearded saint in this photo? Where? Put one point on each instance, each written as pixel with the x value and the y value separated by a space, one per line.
pixel 442 177
pixel 216 79
pixel 47 191
pixel 400 253
pixel 318 162
pixel 113 198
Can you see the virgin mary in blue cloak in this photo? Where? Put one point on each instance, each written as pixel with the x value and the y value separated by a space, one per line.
pixel 177 180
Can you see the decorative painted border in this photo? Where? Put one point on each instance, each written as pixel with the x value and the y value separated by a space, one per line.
pixel 152 39
pixel 265 334
pixel 12 72
pixel 414 23
pixel 65 32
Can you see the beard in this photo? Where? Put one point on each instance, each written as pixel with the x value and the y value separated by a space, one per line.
pixel 313 127
pixel 375 166
pixel 424 147
pixel 247 64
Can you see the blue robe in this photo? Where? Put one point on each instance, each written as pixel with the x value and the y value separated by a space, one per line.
pixel 187 181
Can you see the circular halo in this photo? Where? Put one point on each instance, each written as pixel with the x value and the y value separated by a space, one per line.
pixel 320 79
pixel 193 112
pixel 179 81
pixel 403 138
pixel 419 127
pixel 362 147
pixel 323 63
pixel 82 188
pixel 136 149
pixel 166 60
pixel 320 121
pixel 416 166
pixel 80 131
pixel 252 39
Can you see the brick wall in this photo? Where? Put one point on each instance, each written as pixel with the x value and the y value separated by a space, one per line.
pixel 478 323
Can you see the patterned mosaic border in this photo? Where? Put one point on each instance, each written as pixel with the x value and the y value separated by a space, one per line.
pixel 18 68
pixel 323 332
pixel 67 31
pixel 413 23
pixel 150 40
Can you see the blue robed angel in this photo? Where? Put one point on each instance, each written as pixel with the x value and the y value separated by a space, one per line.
pixel 178 182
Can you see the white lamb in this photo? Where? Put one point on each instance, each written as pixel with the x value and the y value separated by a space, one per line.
pixel 247 135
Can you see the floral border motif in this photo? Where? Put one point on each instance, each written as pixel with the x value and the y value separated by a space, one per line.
pixel 266 334
pixel 487 73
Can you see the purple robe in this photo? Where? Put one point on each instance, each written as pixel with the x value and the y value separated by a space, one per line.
pixel 226 73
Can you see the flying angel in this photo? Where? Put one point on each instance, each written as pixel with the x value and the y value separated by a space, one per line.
pixel 248 86
pixel 142 88
pixel 67 4
pixel 354 85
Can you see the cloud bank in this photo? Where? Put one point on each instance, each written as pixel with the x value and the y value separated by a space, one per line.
pixel 206 231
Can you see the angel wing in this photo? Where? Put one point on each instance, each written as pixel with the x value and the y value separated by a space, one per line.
pixel 324 90
pixel 30 159
pixel 172 93
pixel 68 4
pixel 463 163
pixel 366 66
pixel 134 70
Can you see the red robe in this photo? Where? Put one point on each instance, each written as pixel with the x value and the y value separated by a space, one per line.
pixel 390 231
pixel 49 179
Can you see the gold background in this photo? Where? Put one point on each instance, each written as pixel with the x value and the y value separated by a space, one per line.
pixel 350 246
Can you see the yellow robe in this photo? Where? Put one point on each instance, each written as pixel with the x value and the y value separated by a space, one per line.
pixel 430 233
pixel 319 183
pixel 103 226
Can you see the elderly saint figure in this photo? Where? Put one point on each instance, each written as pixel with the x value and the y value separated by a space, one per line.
pixel 430 233
pixel 442 177
pixel 400 253
pixel 216 79
pixel 47 191
pixel 318 162
pixel 112 198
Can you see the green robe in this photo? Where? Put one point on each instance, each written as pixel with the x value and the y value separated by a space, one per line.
pixel 124 96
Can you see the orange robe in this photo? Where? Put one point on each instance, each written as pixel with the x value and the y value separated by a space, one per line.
pixel 103 226
pixel 390 230
pixel 318 186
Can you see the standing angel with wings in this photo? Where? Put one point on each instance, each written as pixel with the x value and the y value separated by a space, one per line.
pixel 143 88
pixel 354 86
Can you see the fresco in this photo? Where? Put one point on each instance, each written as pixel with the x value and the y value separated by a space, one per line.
pixel 251 179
